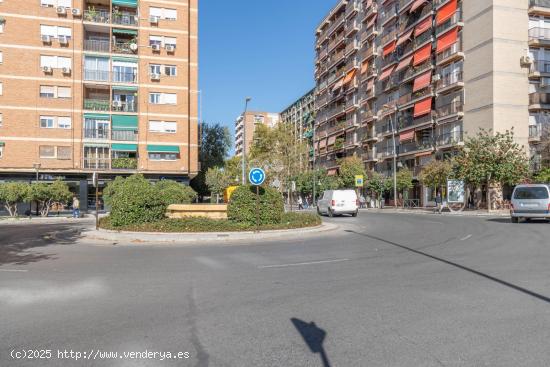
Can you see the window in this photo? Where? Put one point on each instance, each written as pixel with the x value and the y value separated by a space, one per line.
pixel 163 156
pixel 154 98
pixel 162 13
pixel 64 153
pixel 170 70
pixel 1 89
pixel 47 122
pixel 531 193
pixel 163 98
pixel 154 69
pixel 155 40
pixel 63 92
pixel 1 57
pixel 64 122
pixel 170 41
pixel 47 151
pixel 1 150
pixel 47 91
pixel 55 62
pixel 54 3
pixel 163 126
pixel 1 27
pixel 1 119
pixel 55 31
pixel 170 14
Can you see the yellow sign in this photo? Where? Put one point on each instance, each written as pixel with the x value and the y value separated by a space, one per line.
pixel 359 181
pixel 228 192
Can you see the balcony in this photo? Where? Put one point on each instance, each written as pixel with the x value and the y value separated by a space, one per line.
pixel 450 81
pixel 352 47
pixel 96 104
pixel 97 163
pixel 97 45
pixel 417 146
pixel 387 14
pixel 535 134
pixel 124 135
pixel 452 53
pixel 127 18
pixel 385 152
pixel 455 108
pixel 97 134
pixel 387 36
pixel 93 15
pixel 369 52
pixel 336 24
pixel 539 100
pixel 96 75
pixel 409 121
pixel 540 7
pixel 455 20
pixel 540 67
pixel 338 128
pixel 124 106
pixel 125 47
pixel 124 163
pixel 539 36
pixel 452 138
pixel 373 9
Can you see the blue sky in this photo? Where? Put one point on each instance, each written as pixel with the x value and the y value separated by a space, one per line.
pixel 258 48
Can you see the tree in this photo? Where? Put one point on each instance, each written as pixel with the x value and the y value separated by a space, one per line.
pixel 494 159
pixel 47 195
pixel 12 193
pixel 543 176
pixel 217 181
pixel 233 169
pixel 404 181
pixel 305 180
pixel 436 173
pixel 349 168
pixel 378 184
pixel 215 145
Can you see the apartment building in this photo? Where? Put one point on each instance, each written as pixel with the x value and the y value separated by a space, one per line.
pixel 408 79
pixel 107 86
pixel 300 115
pixel 245 126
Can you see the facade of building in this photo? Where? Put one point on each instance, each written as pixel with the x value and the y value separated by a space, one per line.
pixel 107 86
pixel 419 75
pixel 300 115
pixel 246 125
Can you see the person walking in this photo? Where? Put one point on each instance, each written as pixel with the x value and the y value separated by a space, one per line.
pixel 439 202
pixel 362 202
pixel 76 207
pixel 300 203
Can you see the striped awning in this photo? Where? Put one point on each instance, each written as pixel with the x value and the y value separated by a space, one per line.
pixel 163 149
pixel 406 135
pixel 422 81
pixel 97 116
pixel 447 40
pixel 446 12
pixel 130 32
pixel 126 3
pixel 423 107
pixel 124 147
pixel 386 73
pixel 124 122
pixel 417 4
pixel 422 54
pixel 405 37
pixel 423 26
pixel 404 63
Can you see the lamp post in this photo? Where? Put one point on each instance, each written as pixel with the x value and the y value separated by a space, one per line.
pixel 314 201
pixel 243 162
pixel 36 167
pixel 394 167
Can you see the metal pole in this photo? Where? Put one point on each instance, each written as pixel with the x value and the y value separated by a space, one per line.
pixel 257 208
pixel 314 201
pixel 97 204
pixel 394 168
pixel 243 162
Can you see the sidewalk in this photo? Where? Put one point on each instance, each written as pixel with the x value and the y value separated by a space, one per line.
pixel 46 220
pixel 425 211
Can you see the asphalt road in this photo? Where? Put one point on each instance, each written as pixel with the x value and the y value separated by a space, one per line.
pixel 383 290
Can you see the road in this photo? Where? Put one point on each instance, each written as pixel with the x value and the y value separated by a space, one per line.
pixel 383 290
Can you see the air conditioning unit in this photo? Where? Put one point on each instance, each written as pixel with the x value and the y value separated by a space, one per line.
pixel 61 10
pixel 155 47
pixel 117 104
pixel 76 12
pixel 46 39
pixel 47 69
pixel 155 76
pixel 526 60
pixel 63 40
pixel 66 70
pixel 170 48
pixel 153 19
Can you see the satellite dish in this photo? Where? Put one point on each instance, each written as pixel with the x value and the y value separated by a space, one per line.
pixel 133 46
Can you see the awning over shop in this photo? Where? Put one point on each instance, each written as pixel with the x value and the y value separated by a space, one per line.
pixel 126 3
pixel 423 107
pixel 405 37
pixel 163 149
pixel 422 54
pixel 447 40
pixel 422 81
pixel 406 135
pixel 386 73
pixel 406 62
pixel 417 4
pixel 124 147
pixel 129 32
pixel 423 26
pixel 389 48
pixel 350 76
pixel 446 12
pixel 97 116
pixel 124 122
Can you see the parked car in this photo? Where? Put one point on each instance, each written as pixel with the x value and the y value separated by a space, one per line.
pixel 529 202
pixel 338 202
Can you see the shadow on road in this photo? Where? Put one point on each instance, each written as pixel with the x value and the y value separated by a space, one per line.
pixel 314 338
pixel 16 242
pixel 508 221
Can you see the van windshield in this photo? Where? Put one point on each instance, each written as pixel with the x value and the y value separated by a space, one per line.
pixel 531 193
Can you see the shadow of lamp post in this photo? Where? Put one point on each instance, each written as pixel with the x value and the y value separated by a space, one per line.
pixel 314 338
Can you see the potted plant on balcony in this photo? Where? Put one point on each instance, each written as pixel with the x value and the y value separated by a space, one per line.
pixel 91 14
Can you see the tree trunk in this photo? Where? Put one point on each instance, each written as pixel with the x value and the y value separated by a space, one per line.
pixel 488 197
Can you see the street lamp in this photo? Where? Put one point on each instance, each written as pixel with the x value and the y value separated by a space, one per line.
pixel 393 128
pixel 36 167
pixel 248 99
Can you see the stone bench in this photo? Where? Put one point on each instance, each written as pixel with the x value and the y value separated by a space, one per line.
pixel 213 211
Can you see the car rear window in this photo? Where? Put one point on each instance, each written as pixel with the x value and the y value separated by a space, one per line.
pixel 531 193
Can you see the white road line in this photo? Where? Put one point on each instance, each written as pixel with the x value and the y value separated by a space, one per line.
pixel 14 270
pixel 300 264
pixel 466 238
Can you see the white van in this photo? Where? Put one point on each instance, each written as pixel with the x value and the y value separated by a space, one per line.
pixel 337 202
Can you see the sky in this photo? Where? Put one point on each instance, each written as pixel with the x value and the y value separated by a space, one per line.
pixel 258 48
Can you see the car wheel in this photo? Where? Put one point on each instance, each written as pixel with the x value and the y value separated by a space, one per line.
pixel 319 212
pixel 330 213
pixel 354 214
pixel 515 220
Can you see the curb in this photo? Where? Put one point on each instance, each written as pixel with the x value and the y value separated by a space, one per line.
pixel 201 237
pixel 432 212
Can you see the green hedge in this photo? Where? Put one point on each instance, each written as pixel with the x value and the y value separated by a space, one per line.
pixel 242 206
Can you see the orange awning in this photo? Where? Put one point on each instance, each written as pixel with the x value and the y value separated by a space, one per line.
pixel 389 48
pixel 422 54
pixel 423 107
pixel 386 73
pixel 350 76
pixel 417 4
pixel 446 12
pixel 404 63
pixel 405 37
pixel 423 26
pixel 338 85
pixel 422 81
pixel 331 140
pixel 406 135
pixel 364 67
pixel 322 143
pixel 447 40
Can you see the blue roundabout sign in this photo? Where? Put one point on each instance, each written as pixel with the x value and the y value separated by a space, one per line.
pixel 256 176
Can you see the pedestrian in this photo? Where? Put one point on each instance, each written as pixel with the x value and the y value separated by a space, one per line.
pixel 306 203
pixel 439 202
pixel 76 207
pixel 362 202
pixel 300 203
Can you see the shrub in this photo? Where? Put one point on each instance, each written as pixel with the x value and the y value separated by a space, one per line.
pixel 172 192
pixel 133 200
pixel 242 206
pixel 12 193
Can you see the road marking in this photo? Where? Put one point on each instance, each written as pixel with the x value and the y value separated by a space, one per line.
pixel 14 270
pixel 466 238
pixel 300 264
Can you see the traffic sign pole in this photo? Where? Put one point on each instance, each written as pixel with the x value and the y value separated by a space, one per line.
pixel 257 208
pixel 256 176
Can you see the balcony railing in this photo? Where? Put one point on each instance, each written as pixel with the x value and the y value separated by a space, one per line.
pixel 535 132
pixel 97 16
pixel 541 3
pixel 406 122
pixel 96 134
pixel 450 79
pixel 449 23
pixel 539 98
pixel 97 163
pixel 450 138
pixel 125 19
pixel 124 135
pixel 96 75
pixel 122 106
pixel 97 45
pixel 538 33
pixel 125 77
pixel 124 48
pixel 96 104
pixel 449 109
pixel 424 144
pixel 387 13
pixel 453 50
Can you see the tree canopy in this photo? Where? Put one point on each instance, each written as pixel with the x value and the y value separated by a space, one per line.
pixel 436 173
